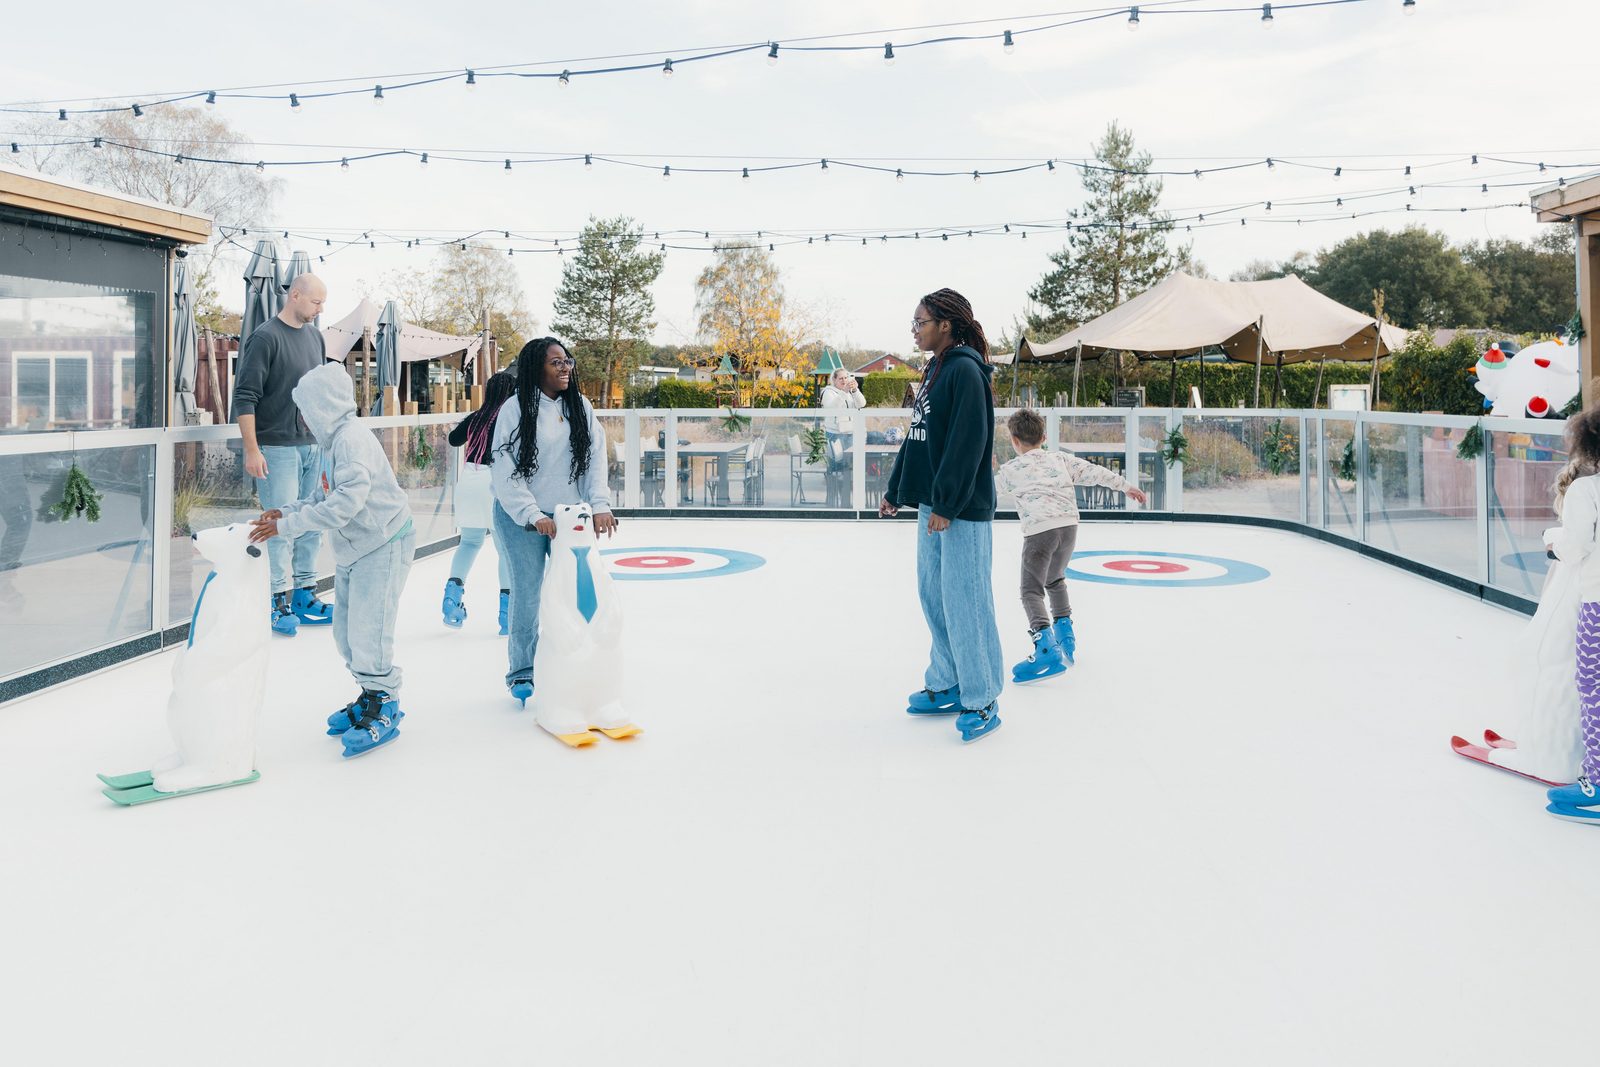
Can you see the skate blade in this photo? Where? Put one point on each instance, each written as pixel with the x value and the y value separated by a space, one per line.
pixel 385 743
pixel 617 733
pixel 127 781
pixel 1583 815
pixel 575 740
pixel 1030 679
pixel 146 794
pixel 967 740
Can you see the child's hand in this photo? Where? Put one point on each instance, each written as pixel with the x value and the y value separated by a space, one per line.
pixel 605 523
pixel 265 527
pixel 1139 495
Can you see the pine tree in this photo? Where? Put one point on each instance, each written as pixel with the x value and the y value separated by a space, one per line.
pixel 604 305
pixel 1118 246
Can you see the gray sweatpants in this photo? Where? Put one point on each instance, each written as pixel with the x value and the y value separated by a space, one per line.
pixel 366 603
pixel 1044 575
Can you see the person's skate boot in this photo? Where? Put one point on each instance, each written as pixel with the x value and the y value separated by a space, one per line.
pixel 376 727
pixel 308 609
pixel 1066 639
pixel 929 702
pixel 1580 794
pixel 454 606
pixel 521 690
pixel 975 725
pixel 1047 659
pixel 347 717
pixel 284 620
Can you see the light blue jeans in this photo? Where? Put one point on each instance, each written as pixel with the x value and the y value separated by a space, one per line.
pixel 368 594
pixel 526 552
pixel 953 582
pixel 292 472
pixel 467 554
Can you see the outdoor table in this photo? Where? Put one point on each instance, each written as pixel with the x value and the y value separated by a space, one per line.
pixel 719 452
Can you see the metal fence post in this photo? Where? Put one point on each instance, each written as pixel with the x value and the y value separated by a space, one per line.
pixel 858 460
pixel 1360 431
pixel 630 463
pixel 161 533
pixel 1175 471
pixel 669 477
pixel 1130 450
pixel 1305 474
pixel 1483 477
pixel 1052 430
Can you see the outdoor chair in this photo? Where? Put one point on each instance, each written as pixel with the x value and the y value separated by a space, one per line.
pixel 750 472
pixel 798 469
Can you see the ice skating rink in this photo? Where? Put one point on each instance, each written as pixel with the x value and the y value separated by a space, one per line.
pixel 1233 834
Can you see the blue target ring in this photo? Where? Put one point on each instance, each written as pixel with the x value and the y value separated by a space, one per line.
pixel 1163 570
pixel 670 564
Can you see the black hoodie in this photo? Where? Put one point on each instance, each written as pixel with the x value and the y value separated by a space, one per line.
pixel 947 461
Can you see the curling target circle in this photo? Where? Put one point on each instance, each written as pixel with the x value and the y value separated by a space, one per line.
pixel 1161 569
pixel 659 564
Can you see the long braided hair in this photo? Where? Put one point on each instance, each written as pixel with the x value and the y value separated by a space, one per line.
pixel 947 305
pixel 1583 448
pixel 524 443
pixel 480 424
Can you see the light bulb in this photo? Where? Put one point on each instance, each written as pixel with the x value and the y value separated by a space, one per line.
pixel 1269 205
pixel 211 99
pixel 423 162
pixel 1050 166
pixel 1337 172
pixel 976 177
pixel 825 165
pixel 508 164
pixel 772 55
pixel 666 174
pixel 899 176
pixel 1407 174
pixel 1409 7
pixel 472 80
pixel 1474 159
pixel 344 165
pixel 294 103
pixel 1007 46
pixel 746 175
pixel 1198 176
pixel 1270 164
pixel 377 95
pixel 138 113
pixel 1133 19
pixel 1485 189
pixel 97 144
pixel 261 167
pixel 588 161
pixel 666 69
pixel 888 55
pixel 565 78
pixel 1266 16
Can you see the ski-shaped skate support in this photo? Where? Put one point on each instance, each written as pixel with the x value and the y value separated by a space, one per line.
pixel 1479 754
pixel 617 733
pixel 139 787
pixel 575 740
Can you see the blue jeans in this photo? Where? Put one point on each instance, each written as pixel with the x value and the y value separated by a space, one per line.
pixel 292 472
pixel 368 594
pixel 526 552
pixel 467 554
pixel 953 582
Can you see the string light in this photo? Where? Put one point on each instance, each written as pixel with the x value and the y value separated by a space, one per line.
pixel 344 165
pixel 1407 174
pixel 211 98
pixel 1409 7
pixel 377 95
pixel 1474 159
pixel 666 174
pixel 976 177
pixel 825 165
pixel 1485 189
pixel 424 161
pixel 178 159
pixel 1007 46
pixel 294 103
pixel 666 69
pixel 1133 18
pixel 888 54
pixel 508 164
pixel 98 145
pixel 1337 171
pixel 1266 16
pixel 899 176
pixel 261 166
pixel 564 78
pixel 138 113
pixel 472 80
pixel 588 161
pixel 1198 176
pixel 1270 164
pixel 772 55
pixel 746 175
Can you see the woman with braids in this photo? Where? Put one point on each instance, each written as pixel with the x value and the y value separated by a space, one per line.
pixel 548 449
pixel 474 503
pixel 945 471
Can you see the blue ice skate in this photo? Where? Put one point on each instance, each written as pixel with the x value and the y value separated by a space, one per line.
pixel 522 691
pixel 377 726
pixel 455 611
pixel 1580 794
pixel 1572 814
pixel 1047 659
pixel 930 702
pixel 347 717
pixel 1066 639
pixel 284 620
pixel 978 724
pixel 505 612
pixel 308 609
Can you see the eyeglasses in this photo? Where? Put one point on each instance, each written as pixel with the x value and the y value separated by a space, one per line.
pixel 917 324
pixel 558 363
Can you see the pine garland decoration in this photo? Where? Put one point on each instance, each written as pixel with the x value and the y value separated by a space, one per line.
pixel 1347 462
pixel 1175 449
pixel 421 451
pixel 1471 446
pixel 78 497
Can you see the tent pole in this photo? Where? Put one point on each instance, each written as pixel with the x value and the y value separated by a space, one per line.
pixel 1077 367
pixel 1316 391
pixel 1277 383
pixel 1172 383
pixel 1201 352
pixel 1255 400
pixel 1016 357
pixel 1377 349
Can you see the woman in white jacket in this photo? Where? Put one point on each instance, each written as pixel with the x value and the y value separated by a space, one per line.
pixel 842 393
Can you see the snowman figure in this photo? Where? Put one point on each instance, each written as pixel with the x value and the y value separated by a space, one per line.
pixel 1536 383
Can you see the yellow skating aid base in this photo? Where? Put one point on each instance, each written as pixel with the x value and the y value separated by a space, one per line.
pixel 576 740
pixel 619 732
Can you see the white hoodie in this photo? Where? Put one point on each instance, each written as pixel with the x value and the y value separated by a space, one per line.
pixel 1042 483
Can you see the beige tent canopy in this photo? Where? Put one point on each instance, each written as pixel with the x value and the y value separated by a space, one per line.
pixel 416 343
pixel 1280 321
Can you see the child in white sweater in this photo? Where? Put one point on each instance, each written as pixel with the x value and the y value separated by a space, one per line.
pixel 1042 483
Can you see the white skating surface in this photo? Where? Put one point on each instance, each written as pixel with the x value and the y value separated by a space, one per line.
pixel 1234 834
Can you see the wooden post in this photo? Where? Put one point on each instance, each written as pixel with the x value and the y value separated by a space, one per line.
pixel 1077 368
pixel 391 400
pixel 218 401
pixel 1201 352
pixel 1255 399
pixel 485 355
pixel 1377 348
pixel 1172 383
pixel 366 373
pixel 1316 392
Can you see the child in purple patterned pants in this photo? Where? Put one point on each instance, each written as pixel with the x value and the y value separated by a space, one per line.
pixel 1578 495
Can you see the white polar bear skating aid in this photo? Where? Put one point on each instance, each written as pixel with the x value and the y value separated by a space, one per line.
pixel 218 679
pixel 579 661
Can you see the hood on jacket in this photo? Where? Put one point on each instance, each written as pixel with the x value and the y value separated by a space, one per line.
pixel 326 398
pixel 968 352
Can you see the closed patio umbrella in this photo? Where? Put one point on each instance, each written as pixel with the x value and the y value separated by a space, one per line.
pixel 185 345
pixel 388 354
pixel 299 263
pixel 261 300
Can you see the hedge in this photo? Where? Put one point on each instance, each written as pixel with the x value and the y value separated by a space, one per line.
pixel 673 393
pixel 885 389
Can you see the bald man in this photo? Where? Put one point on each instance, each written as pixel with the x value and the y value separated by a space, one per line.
pixel 279 451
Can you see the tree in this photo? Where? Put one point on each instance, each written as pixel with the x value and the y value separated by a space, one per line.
pixel 463 282
pixel 1423 280
pixel 1530 285
pixel 1119 245
pixel 740 304
pixel 136 161
pixel 1301 265
pixel 604 304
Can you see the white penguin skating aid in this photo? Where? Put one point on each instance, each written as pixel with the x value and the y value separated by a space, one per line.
pixel 579 659
pixel 217 681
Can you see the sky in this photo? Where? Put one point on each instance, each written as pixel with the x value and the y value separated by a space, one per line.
pixel 1357 85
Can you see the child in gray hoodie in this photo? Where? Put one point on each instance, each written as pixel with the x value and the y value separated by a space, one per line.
pixel 368 517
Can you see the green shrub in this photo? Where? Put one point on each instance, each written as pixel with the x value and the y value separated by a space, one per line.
pixel 1217 456
pixel 885 389
pixel 673 393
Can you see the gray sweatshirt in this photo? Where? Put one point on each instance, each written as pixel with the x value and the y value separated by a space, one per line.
pixel 358 500
pixel 273 360
pixel 525 500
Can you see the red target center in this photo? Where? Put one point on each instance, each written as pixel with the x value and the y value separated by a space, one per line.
pixel 653 562
pixel 1145 566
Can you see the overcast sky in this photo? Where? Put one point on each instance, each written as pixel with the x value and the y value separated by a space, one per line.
pixel 1356 85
